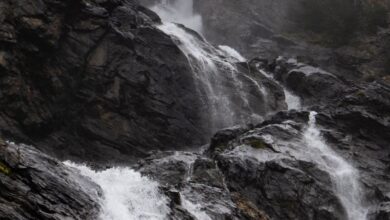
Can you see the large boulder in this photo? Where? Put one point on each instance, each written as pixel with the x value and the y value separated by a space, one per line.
pixel 311 83
pixel 267 166
pixel 94 80
pixel 36 186
pixel 193 183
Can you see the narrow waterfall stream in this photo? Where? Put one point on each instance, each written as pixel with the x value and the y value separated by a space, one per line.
pixel 292 101
pixel 344 176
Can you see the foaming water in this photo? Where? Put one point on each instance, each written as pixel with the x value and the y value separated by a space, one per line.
pixel 292 101
pixel 179 11
pixel 194 209
pixel 126 194
pixel 232 52
pixel 344 176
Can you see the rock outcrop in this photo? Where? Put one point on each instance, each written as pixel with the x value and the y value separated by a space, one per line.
pixel 36 186
pixel 270 28
pixel 96 81
pixel 93 80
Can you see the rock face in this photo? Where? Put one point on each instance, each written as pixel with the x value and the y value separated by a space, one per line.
pixel 93 80
pixel 270 28
pixel 310 83
pixel 97 81
pixel 35 186
pixel 252 23
pixel 195 184
pixel 265 166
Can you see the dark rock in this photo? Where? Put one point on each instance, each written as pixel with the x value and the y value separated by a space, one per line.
pixel 94 81
pixel 312 84
pixel 382 212
pixel 196 179
pixel 35 186
pixel 274 175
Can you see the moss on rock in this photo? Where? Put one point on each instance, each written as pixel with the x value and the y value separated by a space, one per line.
pixel 5 169
pixel 257 143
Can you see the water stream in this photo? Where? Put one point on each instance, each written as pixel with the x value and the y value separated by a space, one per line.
pixel 344 176
pixel 220 85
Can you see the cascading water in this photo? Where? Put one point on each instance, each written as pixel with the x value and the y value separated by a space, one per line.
pixel 126 194
pixel 344 176
pixel 292 101
pixel 219 83
pixel 180 12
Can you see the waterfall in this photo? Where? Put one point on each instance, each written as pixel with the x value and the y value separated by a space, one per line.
pixel 220 85
pixel 292 101
pixel 224 92
pixel 344 176
pixel 232 52
pixel 179 11
pixel 126 194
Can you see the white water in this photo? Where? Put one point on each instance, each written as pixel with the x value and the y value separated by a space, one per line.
pixel 194 209
pixel 219 84
pixel 292 101
pixel 344 176
pixel 205 69
pixel 126 194
pixel 232 53
pixel 179 11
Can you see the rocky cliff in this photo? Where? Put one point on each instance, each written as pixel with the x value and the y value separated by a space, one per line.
pixel 93 80
pixel 350 37
pixel 101 82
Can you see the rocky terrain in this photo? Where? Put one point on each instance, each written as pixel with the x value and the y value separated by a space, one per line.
pixel 270 28
pixel 76 74
pixel 101 82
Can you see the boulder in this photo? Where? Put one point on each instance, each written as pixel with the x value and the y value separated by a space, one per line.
pixel 36 186
pixel 94 81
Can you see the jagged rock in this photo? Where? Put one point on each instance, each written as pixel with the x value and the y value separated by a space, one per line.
pixel 382 212
pixel 35 186
pixel 196 180
pixel 94 80
pixel 266 167
pixel 252 28
pixel 311 84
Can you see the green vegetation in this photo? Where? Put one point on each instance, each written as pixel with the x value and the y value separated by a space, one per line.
pixel 338 21
pixel 4 169
pixel 257 144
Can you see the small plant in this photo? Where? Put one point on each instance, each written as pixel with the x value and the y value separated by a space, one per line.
pixel 257 144
pixel 4 169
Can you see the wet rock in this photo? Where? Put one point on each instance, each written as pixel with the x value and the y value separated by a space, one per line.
pixel 311 84
pixel 267 167
pixel 248 209
pixel 35 186
pixel 193 183
pixel 94 81
pixel 382 212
